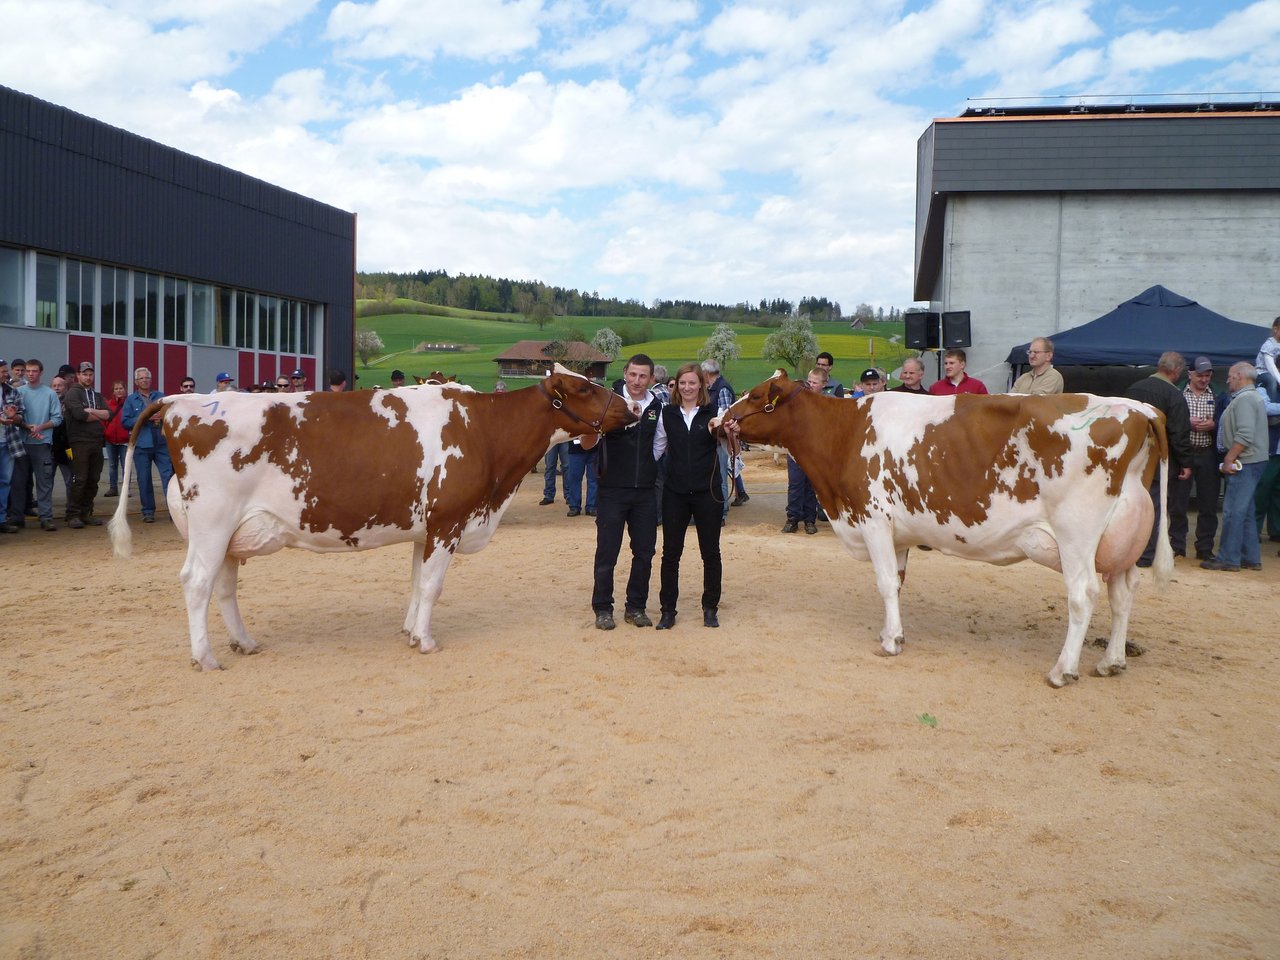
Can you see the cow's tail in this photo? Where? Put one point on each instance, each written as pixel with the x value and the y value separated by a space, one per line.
pixel 1163 565
pixel 121 535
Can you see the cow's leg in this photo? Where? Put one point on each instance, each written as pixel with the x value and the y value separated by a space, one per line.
pixel 889 566
pixel 201 569
pixel 1120 591
pixel 415 593
pixel 224 588
pixel 435 564
pixel 1082 596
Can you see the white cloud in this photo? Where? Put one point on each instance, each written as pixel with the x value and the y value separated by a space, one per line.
pixel 422 29
pixel 1239 33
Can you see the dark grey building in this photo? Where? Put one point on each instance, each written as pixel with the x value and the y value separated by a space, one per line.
pixel 1039 219
pixel 116 249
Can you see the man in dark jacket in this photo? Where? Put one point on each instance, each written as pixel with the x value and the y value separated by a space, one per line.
pixel 624 497
pixel 86 415
pixel 1161 392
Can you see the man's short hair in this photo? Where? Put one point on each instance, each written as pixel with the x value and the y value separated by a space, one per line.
pixel 1245 369
pixel 957 353
pixel 1046 345
pixel 337 377
pixel 33 362
pixel 711 365
pixel 1171 362
pixel 916 360
pixel 640 360
pixel 141 372
pixel 827 357
pixel 660 372
pixel 397 374
pixel 820 373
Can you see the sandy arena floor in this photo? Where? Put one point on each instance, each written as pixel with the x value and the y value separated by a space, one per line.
pixel 541 789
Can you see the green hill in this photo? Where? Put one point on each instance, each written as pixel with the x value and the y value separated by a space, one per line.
pixel 463 343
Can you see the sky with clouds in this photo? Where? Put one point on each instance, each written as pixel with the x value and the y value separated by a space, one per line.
pixel 679 149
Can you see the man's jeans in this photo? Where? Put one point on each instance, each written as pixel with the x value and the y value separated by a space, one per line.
pixel 1240 543
pixel 143 457
pixel 38 463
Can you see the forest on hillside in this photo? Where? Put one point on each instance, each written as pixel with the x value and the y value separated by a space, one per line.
pixel 541 303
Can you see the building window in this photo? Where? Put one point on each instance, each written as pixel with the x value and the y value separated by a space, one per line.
pixel 224 319
pixel 175 309
pixel 244 319
pixel 268 316
pixel 113 295
pixel 80 294
pixel 47 291
pixel 146 306
pixel 307 329
pixel 202 303
pixel 10 286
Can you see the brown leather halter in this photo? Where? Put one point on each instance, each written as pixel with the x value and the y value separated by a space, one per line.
pixel 557 401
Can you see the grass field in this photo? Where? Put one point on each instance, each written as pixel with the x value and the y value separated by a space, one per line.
pixel 482 336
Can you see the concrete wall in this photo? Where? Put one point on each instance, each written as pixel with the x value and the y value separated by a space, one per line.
pixel 1028 265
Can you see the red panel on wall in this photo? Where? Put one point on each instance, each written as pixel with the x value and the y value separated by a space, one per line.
pixel 266 368
pixel 79 347
pixel 175 367
pixel 308 365
pixel 114 365
pixel 146 353
pixel 247 370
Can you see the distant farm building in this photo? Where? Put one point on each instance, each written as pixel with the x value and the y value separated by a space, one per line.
pixel 1040 219
pixel 535 358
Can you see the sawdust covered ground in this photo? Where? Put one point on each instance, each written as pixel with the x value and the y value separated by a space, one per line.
pixel 539 788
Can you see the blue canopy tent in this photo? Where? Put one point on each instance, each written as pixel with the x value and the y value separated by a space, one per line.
pixel 1139 330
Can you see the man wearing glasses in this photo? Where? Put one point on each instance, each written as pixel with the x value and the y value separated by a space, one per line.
pixel 188 385
pixel 297 382
pixel 1041 379
pixel 150 447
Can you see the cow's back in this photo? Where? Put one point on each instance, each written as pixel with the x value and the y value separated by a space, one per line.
pixel 324 471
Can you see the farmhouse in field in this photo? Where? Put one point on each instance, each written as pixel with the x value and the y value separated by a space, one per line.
pixel 535 358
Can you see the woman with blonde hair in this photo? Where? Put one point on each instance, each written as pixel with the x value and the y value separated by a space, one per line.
pixel 689 491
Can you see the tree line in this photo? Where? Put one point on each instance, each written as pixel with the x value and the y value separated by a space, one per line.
pixel 541 303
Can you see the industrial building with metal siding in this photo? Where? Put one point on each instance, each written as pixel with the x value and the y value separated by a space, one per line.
pixel 1039 220
pixel 127 253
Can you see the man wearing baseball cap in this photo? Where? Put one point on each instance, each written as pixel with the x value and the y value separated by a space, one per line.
pixel 297 382
pixel 225 382
pixel 1205 407
pixel 86 414
pixel 869 382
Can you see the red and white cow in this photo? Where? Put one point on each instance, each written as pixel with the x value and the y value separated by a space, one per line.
pixel 437 465
pixel 1061 480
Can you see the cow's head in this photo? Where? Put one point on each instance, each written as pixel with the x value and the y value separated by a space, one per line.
pixel 583 408
pixel 762 411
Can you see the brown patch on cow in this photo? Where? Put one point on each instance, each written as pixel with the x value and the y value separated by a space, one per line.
pixel 980 453
pixel 192 436
pixel 352 470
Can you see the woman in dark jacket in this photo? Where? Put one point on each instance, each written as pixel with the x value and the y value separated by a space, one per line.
pixel 689 490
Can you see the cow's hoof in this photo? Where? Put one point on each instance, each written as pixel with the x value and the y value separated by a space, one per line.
pixel 1060 680
pixel 1105 669
pixel 247 649
pixel 888 649
pixel 427 645
pixel 208 663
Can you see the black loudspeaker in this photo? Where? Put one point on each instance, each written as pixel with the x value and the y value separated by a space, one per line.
pixel 922 331
pixel 955 329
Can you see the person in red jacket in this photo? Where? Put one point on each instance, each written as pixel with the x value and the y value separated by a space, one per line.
pixel 117 437
pixel 955 380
